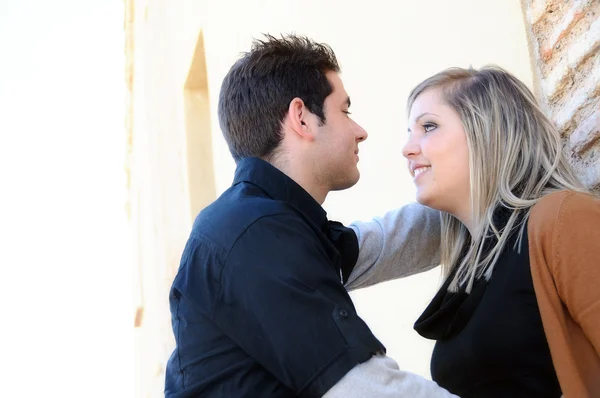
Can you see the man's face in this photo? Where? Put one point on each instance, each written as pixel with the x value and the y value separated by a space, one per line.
pixel 337 140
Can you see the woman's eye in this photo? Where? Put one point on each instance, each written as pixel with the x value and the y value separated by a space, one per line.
pixel 347 112
pixel 428 127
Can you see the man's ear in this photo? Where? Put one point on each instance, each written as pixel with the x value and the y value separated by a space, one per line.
pixel 299 118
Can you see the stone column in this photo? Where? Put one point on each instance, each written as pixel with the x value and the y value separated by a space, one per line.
pixel 564 40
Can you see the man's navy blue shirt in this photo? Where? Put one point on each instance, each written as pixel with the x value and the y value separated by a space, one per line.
pixel 258 305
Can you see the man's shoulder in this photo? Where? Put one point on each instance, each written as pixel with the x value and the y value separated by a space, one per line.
pixel 228 217
pixel 224 225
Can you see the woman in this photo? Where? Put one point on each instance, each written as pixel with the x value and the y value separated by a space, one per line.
pixel 519 312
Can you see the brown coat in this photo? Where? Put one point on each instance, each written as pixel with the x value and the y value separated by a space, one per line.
pixel 564 249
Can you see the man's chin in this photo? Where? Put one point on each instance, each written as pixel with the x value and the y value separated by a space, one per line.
pixel 349 183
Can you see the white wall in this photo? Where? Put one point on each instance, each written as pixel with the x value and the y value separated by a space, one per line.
pixel 385 48
pixel 65 290
pixel 65 287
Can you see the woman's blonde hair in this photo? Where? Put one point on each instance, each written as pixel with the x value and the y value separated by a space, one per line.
pixel 515 158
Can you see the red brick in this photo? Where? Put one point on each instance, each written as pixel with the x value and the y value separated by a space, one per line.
pixel 586 134
pixel 574 15
pixel 580 49
pixel 590 85
pixel 590 175
pixel 536 10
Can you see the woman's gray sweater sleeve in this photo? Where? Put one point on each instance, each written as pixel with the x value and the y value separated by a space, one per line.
pixel 403 242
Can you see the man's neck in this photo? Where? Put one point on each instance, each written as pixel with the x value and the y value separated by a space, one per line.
pixel 301 176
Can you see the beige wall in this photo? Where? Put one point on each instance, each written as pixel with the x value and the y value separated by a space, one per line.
pixel 384 48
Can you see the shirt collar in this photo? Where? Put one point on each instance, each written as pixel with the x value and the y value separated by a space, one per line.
pixel 279 186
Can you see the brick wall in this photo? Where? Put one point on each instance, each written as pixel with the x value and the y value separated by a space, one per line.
pixel 564 38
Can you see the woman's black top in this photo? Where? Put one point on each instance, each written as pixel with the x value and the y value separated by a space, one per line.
pixel 491 342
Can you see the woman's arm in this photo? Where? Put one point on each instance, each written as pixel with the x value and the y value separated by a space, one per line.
pixel 403 242
pixel 576 262
pixel 564 248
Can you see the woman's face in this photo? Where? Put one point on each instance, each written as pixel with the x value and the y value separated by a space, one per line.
pixel 438 155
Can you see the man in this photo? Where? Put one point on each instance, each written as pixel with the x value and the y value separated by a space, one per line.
pixel 258 306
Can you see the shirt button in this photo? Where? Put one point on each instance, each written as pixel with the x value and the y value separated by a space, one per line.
pixel 343 313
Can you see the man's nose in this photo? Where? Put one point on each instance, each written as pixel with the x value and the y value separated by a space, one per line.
pixel 361 134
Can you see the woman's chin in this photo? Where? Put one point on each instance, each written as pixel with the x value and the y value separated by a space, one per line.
pixel 427 200
pixel 423 198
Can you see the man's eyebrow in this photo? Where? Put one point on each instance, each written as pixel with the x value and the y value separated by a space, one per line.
pixel 348 102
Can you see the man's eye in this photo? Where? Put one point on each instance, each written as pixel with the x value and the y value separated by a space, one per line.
pixel 428 127
pixel 347 112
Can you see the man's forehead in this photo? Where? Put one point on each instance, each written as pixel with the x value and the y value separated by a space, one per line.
pixel 337 86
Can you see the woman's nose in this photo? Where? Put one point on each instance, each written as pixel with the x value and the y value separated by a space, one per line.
pixel 411 148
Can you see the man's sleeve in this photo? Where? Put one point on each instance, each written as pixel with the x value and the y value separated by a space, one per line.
pixel 380 377
pixel 282 302
pixel 403 242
